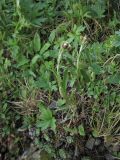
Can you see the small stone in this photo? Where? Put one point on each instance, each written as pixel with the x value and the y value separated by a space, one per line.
pixel 101 148
pixel 109 157
pixel 116 148
pixel 76 154
pixel 36 155
pixel 97 142
pixel 90 143
pixel 31 133
pixel 53 105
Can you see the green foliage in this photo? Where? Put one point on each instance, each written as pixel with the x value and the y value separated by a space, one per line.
pixel 59 69
pixel 46 119
pixel 36 43
pixel 98 9
pixel 81 130
pixel 32 11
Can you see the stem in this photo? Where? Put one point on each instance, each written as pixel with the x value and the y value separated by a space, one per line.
pixel 79 53
pixel 59 59
pixel 58 71
pixel 111 59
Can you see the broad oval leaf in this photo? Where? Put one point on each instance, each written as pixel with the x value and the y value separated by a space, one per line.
pixel 81 130
pixel 35 58
pixel 36 43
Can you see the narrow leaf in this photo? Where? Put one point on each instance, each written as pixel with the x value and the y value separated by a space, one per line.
pixel 52 36
pixel 45 48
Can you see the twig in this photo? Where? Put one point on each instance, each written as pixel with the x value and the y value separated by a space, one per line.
pixel 111 59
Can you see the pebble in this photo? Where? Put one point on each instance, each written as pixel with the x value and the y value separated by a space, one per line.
pixel 97 142
pixel 53 105
pixel 116 148
pixel 109 157
pixel 90 143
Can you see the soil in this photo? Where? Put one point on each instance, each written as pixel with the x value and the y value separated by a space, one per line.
pixel 89 149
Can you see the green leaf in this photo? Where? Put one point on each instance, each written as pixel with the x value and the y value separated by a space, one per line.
pixel 45 48
pixel 22 61
pixel 98 9
pixel 81 130
pixel 7 63
pixel 64 83
pixel 114 79
pixel 46 114
pixel 62 153
pixel 85 75
pixel 72 131
pixel 52 36
pixel 46 119
pixel 35 58
pixel 61 102
pixel 36 43
pixel 80 29
pixel 96 68
pixel 53 124
pixel 43 82
pixel 32 73
pixel 43 124
pixel 95 133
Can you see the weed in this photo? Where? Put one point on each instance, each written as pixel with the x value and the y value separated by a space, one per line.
pixel 59 75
